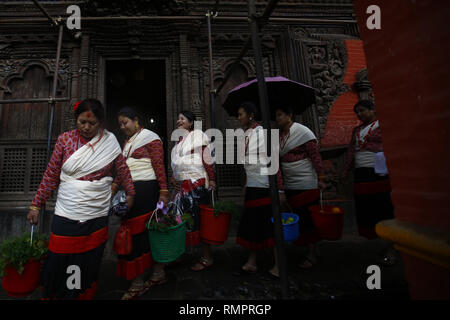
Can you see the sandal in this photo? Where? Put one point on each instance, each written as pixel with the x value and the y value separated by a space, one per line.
pixel 132 293
pixel 202 264
pixel 249 268
pixel 151 283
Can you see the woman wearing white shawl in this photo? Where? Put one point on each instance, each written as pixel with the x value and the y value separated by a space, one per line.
pixel 82 165
pixel 302 177
pixel 372 190
pixel 255 232
pixel 193 175
pixel 144 154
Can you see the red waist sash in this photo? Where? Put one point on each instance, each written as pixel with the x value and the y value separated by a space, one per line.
pixel 372 187
pixel 258 202
pixel 302 199
pixel 77 244
pixel 137 224
pixel 188 186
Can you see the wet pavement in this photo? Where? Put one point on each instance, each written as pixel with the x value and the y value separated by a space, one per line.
pixel 341 274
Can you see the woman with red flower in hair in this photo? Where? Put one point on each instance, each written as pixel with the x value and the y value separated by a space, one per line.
pixel 83 165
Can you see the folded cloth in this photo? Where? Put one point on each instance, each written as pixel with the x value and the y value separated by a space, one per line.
pixel 380 164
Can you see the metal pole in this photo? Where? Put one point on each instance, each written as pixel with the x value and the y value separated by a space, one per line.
pixel 184 18
pixel 264 104
pixel 52 103
pixel 33 100
pixel 45 13
pixel 212 95
pixel 261 22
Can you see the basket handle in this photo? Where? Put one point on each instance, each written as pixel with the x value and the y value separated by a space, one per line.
pixel 151 217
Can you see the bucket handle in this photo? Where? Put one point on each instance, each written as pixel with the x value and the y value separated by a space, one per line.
pixel 31 238
pixel 321 201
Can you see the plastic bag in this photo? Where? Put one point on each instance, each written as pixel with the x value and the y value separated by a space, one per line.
pixel 119 205
pixel 189 202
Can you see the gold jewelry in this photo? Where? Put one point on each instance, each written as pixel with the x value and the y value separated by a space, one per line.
pixel 137 126
pixel 163 190
pixel 34 208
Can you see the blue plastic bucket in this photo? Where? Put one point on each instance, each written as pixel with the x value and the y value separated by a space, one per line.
pixel 290 230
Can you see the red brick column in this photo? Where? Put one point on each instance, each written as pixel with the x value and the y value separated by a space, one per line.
pixel 341 119
pixel 409 71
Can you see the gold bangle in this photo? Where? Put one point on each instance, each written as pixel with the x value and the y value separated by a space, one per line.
pixel 163 190
pixel 34 208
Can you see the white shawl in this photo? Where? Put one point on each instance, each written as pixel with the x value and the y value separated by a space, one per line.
pixel 188 165
pixel 298 175
pixel 365 158
pixel 85 200
pixel 141 169
pixel 256 159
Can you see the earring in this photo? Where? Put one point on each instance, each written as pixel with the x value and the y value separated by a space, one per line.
pixel 137 126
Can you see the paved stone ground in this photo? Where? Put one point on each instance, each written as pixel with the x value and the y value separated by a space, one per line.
pixel 340 275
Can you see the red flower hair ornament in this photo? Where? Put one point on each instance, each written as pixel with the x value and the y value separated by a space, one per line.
pixel 76 105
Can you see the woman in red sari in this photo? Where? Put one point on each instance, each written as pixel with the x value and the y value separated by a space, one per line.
pixel 83 164
pixel 144 154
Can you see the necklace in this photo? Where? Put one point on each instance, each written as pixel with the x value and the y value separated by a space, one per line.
pixel 130 141
pixel 284 138
pixel 88 142
pixel 180 144
pixel 247 137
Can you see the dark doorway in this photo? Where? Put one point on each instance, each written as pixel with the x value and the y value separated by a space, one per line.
pixel 139 84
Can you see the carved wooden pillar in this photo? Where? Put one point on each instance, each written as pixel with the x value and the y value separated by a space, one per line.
pixel 84 67
pixel 184 68
pixel 74 75
pixel 363 86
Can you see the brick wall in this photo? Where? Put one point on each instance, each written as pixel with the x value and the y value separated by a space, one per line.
pixel 342 119
pixel 409 71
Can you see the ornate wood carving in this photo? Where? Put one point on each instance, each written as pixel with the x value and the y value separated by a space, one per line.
pixel 320 63
pixel 134 7
pixel 362 85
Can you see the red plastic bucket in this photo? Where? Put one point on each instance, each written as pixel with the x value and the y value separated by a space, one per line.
pixel 329 222
pixel 20 285
pixel 213 230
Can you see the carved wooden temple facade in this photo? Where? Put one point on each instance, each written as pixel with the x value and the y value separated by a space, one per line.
pixel 161 66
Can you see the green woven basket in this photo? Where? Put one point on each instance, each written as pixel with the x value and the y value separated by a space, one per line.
pixel 168 246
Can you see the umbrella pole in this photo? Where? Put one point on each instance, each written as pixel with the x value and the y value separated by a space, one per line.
pixel 264 103
pixel 212 96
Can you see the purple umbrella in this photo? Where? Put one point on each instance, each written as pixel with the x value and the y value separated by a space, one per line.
pixel 281 91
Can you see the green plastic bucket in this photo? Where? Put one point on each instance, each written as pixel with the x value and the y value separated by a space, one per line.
pixel 168 246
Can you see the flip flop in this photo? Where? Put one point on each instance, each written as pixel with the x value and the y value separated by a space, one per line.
pixel 204 263
pixel 269 276
pixel 132 293
pixel 249 269
pixel 151 283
